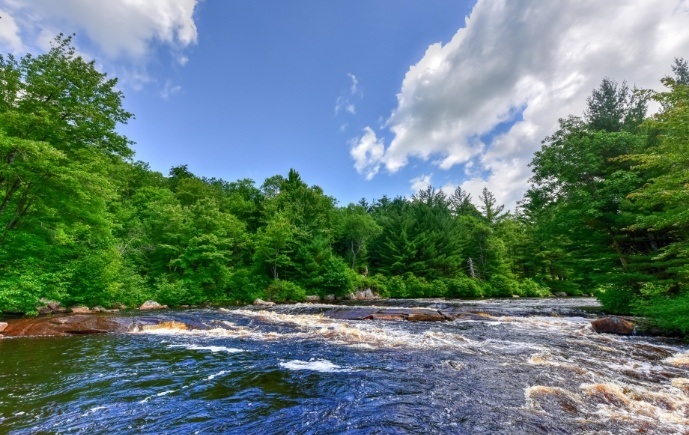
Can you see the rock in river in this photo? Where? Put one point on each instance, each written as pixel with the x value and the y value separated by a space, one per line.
pixel 152 305
pixel 262 303
pixel 613 325
pixel 66 325
pixel 80 310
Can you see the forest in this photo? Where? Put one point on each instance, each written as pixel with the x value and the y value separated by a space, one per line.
pixel 82 222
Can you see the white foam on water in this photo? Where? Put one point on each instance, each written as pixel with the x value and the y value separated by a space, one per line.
pixel 215 375
pixel 214 349
pixel 661 405
pixel 679 360
pixel 316 365
pixel 94 410
pixel 162 393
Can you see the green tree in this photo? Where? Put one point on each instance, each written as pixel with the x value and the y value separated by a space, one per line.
pixel 58 148
pixel 489 207
pixel 357 229
pixel 275 244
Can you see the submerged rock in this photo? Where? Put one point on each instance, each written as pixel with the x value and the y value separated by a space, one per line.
pixel 387 314
pixel 152 305
pixel 613 325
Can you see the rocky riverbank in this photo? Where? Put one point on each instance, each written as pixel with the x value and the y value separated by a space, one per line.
pixel 83 320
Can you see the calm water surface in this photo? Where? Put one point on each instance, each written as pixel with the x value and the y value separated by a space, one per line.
pixel 519 366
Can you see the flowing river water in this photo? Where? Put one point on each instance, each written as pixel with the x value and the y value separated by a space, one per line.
pixel 511 366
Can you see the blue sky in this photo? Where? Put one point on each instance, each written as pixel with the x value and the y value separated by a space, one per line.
pixel 363 98
pixel 259 94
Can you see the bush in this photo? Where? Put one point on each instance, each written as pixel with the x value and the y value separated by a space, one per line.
pixel 615 300
pixel 502 286
pixel 284 291
pixel 377 283
pixel 416 287
pixel 668 312
pixel 335 277
pixel 464 288
pixel 532 289
pixel 437 289
pixel 175 293
pixel 246 287
pixel 131 289
pixel 397 288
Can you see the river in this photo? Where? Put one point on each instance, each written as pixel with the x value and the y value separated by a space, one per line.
pixel 515 366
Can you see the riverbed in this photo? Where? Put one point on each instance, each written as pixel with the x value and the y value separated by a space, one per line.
pixel 512 366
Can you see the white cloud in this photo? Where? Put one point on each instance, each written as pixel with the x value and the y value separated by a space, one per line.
pixel 354 87
pixel 344 102
pixel 422 182
pixel 120 28
pixel 9 32
pixel 367 152
pixel 169 90
pixel 122 32
pixel 540 59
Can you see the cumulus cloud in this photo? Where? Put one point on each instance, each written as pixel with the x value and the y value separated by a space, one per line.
pixel 122 32
pixel 367 152
pixel 422 182
pixel 492 93
pixel 9 32
pixel 120 28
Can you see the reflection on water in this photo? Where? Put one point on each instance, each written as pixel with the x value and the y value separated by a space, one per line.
pixel 513 366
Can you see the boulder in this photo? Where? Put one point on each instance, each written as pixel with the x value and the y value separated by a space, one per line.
pixel 329 297
pixel 364 294
pixel 81 309
pixel 118 306
pixel 262 303
pixel 3 325
pixel 66 325
pixel 313 298
pixel 613 325
pixel 51 307
pixel 560 295
pixel 350 313
pixel 152 305
pixel 426 317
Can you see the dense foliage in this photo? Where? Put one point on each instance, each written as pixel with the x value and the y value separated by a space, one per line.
pixel 82 223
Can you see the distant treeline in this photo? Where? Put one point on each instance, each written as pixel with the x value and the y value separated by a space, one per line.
pixel 82 223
